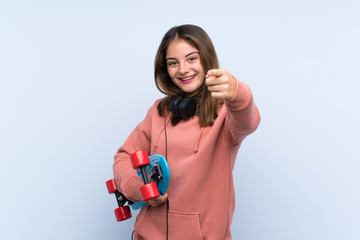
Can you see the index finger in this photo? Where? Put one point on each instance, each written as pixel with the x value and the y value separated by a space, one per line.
pixel 214 73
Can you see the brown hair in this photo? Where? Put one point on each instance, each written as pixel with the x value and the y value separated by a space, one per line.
pixel 206 105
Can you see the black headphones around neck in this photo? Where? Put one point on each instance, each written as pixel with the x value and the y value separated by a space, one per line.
pixel 183 107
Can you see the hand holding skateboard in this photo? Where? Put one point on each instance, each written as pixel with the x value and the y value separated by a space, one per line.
pixel 155 202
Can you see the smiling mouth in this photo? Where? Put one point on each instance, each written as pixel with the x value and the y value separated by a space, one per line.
pixel 187 79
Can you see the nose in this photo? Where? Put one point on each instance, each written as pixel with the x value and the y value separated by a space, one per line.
pixel 184 68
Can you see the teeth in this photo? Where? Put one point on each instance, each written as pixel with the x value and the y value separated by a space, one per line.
pixel 188 78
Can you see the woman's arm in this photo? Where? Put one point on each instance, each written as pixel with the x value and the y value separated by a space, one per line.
pixel 125 175
pixel 242 115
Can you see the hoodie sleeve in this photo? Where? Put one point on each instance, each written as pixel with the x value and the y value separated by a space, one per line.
pixel 242 115
pixel 125 175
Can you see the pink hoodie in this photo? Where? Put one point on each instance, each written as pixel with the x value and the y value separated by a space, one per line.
pixel 201 160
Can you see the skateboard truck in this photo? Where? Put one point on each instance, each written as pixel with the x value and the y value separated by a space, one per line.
pixel 154 174
pixel 122 212
pixel 140 160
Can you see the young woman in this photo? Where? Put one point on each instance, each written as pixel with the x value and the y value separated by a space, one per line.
pixel 201 149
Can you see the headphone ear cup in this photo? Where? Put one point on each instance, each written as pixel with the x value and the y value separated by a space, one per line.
pixel 182 107
pixel 187 108
pixel 174 105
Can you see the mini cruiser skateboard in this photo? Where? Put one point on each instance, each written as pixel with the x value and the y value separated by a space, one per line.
pixel 155 173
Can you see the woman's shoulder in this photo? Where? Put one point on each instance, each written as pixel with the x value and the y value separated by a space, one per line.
pixel 154 107
pixel 156 103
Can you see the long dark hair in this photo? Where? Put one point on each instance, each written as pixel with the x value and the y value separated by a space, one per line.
pixel 206 105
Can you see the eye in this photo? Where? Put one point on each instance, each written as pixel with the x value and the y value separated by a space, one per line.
pixel 171 63
pixel 192 59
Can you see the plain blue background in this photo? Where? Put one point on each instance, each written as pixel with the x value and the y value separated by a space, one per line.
pixel 77 77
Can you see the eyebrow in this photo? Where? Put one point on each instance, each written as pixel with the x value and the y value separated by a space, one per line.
pixel 171 58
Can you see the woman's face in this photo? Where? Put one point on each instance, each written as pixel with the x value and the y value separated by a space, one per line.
pixel 184 65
